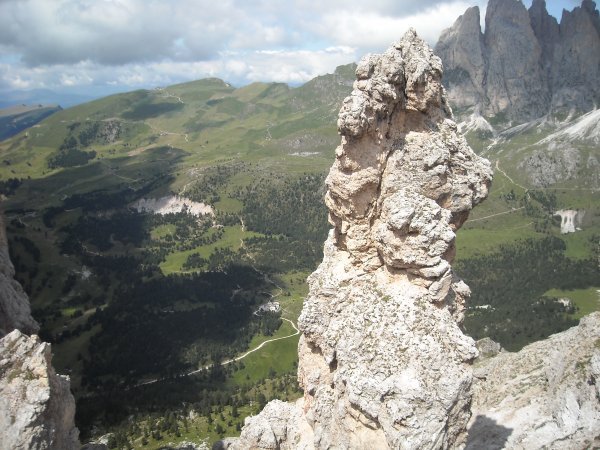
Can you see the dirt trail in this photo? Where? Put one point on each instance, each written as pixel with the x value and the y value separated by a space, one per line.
pixel 507 176
pixel 229 361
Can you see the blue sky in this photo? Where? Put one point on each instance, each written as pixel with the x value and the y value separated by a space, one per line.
pixel 99 46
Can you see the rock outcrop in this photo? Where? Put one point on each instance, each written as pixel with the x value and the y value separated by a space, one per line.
pixel 37 408
pixel 544 396
pixel 382 360
pixel 515 81
pixel 464 60
pixel 526 64
pixel 15 312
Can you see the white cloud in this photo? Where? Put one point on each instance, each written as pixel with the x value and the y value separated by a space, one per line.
pixel 144 43
pixel 374 31
pixel 239 68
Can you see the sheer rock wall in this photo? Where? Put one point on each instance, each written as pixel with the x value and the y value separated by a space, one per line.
pixel 525 64
pixel 15 312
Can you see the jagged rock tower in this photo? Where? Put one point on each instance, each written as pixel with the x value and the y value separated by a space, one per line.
pixel 525 64
pixel 382 360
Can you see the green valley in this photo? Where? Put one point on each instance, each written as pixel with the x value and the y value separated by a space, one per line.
pixel 134 301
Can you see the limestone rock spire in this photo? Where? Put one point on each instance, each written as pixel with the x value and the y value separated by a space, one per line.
pixel 382 360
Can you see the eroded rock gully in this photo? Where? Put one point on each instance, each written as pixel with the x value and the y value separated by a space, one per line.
pixel 382 360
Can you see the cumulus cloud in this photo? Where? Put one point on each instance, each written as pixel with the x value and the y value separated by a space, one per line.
pixel 144 43
pixel 372 30
pixel 110 32
pixel 294 67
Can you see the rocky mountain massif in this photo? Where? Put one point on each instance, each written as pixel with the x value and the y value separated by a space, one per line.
pixel 382 361
pixel 525 64
pixel 528 89
pixel 37 409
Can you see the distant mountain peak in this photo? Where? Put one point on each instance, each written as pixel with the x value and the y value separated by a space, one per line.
pixel 525 64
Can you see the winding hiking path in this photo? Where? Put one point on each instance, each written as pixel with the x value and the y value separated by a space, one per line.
pixel 228 361
pixel 507 176
pixel 497 214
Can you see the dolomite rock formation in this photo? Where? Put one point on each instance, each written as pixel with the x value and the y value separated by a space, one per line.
pixel 36 406
pixel 525 64
pixel 464 61
pixel 515 81
pixel 544 396
pixel 382 361
pixel 15 312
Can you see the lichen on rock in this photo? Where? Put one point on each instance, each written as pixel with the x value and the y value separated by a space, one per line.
pixel 382 360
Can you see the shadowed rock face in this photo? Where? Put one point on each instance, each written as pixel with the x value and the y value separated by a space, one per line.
pixel 526 64
pixel 15 312
pixel 382 361
pixel 464 60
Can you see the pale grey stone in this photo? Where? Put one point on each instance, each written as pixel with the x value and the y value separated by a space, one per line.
pixel 37 409
pixel 546 396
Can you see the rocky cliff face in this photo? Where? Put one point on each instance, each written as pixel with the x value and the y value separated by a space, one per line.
pixel 544 396
pixel 37 409
pixel 15 312
pixel 464 60
pixel 525 64
pixel 382 361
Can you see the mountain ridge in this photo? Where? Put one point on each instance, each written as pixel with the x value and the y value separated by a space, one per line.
pixel 525 64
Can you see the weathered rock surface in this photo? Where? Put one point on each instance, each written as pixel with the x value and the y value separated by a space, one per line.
pixel 545 396
pixel 15 312
pixel 525 64
pixel 463 49
pixel 551 164
pixel 382 361
pixel 37 408
pixel 515 81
